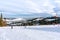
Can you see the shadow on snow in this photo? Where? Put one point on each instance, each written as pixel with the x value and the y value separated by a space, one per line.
pixel 55 29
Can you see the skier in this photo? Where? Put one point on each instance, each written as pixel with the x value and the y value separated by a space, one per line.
pixel 11 26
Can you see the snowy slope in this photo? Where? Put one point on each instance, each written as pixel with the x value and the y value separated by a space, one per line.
pixel 30 33
pixel 17 19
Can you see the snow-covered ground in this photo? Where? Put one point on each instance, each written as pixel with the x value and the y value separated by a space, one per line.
pixel 43 32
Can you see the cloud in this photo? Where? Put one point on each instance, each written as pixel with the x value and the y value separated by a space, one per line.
pixel 28 7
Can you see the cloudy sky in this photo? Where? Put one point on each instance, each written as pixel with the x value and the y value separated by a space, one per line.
pixel 29 8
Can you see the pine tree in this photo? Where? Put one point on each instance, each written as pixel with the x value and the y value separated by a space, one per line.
pixel 2 22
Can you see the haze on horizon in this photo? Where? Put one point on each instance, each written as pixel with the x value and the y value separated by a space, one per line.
pixel 29 8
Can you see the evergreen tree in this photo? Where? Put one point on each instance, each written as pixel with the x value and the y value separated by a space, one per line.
pixel 2 22
pixel 1 19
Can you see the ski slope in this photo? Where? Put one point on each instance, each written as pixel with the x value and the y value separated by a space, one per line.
pixel 45 32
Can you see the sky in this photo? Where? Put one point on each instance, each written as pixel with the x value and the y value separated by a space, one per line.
pixel 29 8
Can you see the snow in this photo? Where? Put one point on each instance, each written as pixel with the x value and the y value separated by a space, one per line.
pixel 42 32
pixel 17 19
